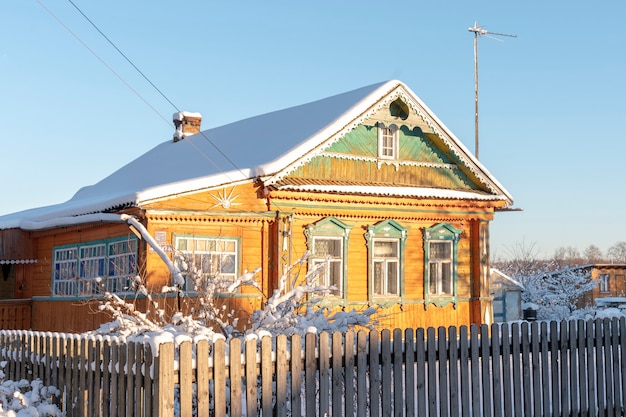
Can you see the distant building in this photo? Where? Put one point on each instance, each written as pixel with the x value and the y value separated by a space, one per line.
pixel 507 297
pixel 610 290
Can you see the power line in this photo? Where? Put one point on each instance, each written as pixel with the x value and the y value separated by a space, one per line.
pixel 123 55
pixel 101 60
pixel 160 92
pixel 131 88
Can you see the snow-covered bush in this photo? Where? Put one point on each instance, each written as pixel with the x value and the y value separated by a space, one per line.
pixel 292 308
pixel 557 293
pixel 23 398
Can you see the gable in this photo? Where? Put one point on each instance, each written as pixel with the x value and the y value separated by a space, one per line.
pixel 353 160
pixel 353 155
pixel 423 159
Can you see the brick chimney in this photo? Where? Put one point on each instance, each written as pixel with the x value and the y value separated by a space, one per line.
pixel 186 124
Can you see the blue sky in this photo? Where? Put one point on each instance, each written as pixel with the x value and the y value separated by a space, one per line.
pixel 552 100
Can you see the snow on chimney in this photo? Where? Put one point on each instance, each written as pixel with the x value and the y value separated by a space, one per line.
pixel 186 124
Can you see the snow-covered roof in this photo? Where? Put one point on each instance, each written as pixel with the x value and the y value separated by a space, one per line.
pixel 496 273
pixel 268 146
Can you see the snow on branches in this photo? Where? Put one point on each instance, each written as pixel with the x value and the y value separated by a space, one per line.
pixel 294 307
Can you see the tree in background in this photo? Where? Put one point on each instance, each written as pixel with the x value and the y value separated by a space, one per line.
pixel 617 253
pixel 557 293
pixel 566 257
pixel 522 259
pixel 593 255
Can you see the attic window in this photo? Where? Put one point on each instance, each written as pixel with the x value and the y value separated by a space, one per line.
pixel 387 141
pixel 399 109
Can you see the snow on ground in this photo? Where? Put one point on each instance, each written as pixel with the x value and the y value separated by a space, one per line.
pixel 24 399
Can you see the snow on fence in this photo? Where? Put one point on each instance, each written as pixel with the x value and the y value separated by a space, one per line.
pixel 532 369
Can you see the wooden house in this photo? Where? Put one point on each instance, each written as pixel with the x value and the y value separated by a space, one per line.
pixel 369 182
pixel 610 289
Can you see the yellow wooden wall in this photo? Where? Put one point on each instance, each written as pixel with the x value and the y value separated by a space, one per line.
pixel 361 212
pixel 259 217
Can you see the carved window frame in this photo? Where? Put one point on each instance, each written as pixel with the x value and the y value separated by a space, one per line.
pixel 330 228
pixel 441 233
pixel 385 231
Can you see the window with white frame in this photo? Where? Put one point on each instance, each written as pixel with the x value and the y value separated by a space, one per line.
pixel 604 283
pixel 387 141
pixel 440 264
pixel 386 262
pixel 327 241
pixel 208 258
pixel 91 273
pixel 65 271
pixel 122 267
pixel 92 268
pixel 440 267
pixel 328 254
pixel 386 242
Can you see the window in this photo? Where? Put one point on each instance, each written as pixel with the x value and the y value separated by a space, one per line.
pixel 386 241
pixel 64 280
pixel 440 264
pixel 328 252
pixel 208 258
pixel 122 265
pixel 327 241
pixel 440 268
pixel 387 141
pixel 604 283
pixel 386 267
pixel 93 268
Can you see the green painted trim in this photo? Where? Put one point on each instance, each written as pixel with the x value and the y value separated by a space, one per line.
pixel 132 295
pixel 189 294
pixel 95 297
pixel 391 303
pixel 106 242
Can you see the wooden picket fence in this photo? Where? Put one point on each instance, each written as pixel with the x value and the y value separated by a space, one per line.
pixel 571 368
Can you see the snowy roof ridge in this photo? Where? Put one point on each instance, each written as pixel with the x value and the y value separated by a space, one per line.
pixel 507 278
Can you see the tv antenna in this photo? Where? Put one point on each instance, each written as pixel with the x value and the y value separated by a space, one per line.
pixel 478 30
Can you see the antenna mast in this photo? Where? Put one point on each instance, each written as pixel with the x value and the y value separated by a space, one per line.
pixel 478 30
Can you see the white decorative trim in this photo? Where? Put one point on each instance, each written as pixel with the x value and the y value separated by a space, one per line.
pixel 400 162
pixel 395 191
pixel 17 261
pixel 224 200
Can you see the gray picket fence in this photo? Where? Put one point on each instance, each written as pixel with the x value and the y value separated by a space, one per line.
pixel 569 368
